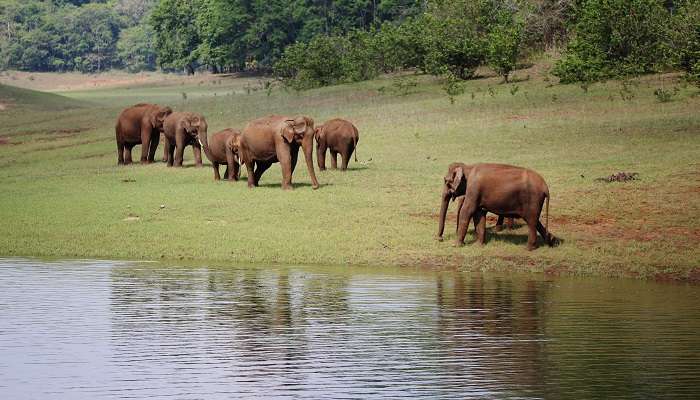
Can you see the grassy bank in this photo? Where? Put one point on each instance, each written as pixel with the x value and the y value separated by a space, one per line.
pixel 63 195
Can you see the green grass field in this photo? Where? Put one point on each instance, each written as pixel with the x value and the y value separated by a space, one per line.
pixel 64 196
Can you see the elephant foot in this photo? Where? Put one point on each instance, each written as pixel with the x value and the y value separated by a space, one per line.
pixel 531 247
pixel 439 238
pixel 457 243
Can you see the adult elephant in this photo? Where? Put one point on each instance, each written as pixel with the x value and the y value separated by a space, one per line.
pixel 222 148
pixel 183 129
pixel 340 137
pixel 504 190
pixel 454 187
pixel 277 138
pixel 140 124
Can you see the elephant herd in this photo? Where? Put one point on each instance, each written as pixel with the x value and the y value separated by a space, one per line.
pixel 505 190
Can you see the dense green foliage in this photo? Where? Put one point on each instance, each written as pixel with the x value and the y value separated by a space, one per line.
pixel 312 43
pixel 74 35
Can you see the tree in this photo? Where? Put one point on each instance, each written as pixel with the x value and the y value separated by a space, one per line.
pixel 504 44
pixel 176 36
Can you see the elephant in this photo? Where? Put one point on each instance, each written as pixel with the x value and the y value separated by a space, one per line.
pixel 277 138
pixel 504 190
pixel 182 129
pixel 456 189
pixel 222 148
pixel 140 124
pixel 338 136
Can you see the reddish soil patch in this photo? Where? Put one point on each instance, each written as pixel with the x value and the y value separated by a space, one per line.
pixel 4 141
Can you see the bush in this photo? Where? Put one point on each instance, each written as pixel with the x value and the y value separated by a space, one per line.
pixel 504 46
pixel 615 38
pixel 685 39
pixel 453 44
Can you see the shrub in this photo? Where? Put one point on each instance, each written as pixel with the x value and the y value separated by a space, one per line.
pixel 685 39
pixel 504 46
pixel 615 38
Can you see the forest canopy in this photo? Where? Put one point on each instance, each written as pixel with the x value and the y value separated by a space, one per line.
pixel 311 43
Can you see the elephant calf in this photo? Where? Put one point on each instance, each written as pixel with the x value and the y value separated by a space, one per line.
pixel 338 136
pixel 140 124
pixel 182 129
pixel 222 148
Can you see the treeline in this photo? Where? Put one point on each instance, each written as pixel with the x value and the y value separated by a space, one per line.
pixel 600 39
pixel 77 35
pixel 311 43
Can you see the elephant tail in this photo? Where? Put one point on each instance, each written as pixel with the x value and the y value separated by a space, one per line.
pixel 546 220
pixel 355 139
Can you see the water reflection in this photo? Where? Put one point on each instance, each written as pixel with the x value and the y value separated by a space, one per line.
pixel 105 330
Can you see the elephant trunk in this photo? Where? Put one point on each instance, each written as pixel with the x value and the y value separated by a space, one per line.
pixel 202 137
pixel 308 147
pixel 446 196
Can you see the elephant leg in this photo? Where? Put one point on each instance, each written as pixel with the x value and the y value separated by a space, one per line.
pixel 548 237
pixel 344 159
pixel 321 156
pixel 252 182
pixel 499 224
pixel 171 153
pixel 227 173
pixel 215 165
pixel 155 141
pixel 460 202
pixel 197 150
pixel 235 173
pixel 509 223
pixel 532 222
pixel 120 153
pixel 127 154
pixel 285 159
pixel 465 215
pixel 166 153
pixel 179 151
pixel 480 226
pixel 294 156
pixel 334 159
pixel 261 167
pixel 145 145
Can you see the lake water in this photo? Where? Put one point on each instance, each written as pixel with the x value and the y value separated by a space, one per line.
pixel 95 329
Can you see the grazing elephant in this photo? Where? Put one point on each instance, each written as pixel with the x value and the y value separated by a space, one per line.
pixel 182 129
pixel 338 136
pixel 274 139
pixel 454 188
pixel 504 190
pixel 140 124
pixel 222 148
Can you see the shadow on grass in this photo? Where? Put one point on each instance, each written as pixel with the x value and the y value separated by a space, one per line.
pixel 351 168
pixel 295 185
pixel 518 239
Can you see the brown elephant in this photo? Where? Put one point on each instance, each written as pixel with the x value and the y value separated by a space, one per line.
pixel 504 190
pixel 453 189
pixel 182 129
pixel 277 138
pixel 222 148
pixel 140 124
pixel 338 136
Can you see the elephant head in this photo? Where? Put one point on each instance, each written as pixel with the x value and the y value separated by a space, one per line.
pixel 454 185
pixel 455 181
pixel 300 130
pixel 233 143
pixel 158 116
pixel 318 133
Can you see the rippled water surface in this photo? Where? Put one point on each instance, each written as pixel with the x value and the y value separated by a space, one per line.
pixel 88 329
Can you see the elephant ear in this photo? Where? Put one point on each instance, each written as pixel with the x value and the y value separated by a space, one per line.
pixel 186 124
pixel 457 177
pixel 288 130
pixel 157 118
pixel 300 124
